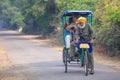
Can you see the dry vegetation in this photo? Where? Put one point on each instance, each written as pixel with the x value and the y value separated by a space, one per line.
pixel 102 57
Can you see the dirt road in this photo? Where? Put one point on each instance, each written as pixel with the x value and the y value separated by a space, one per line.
pixel 33 61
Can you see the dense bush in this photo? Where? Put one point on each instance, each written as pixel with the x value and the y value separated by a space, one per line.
pixel 108 17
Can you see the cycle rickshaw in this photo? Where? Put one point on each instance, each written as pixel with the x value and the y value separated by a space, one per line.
pixel 81 56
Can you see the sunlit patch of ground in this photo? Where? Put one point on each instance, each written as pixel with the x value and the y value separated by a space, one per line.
pixel 9 72
pixel 4 62
pixel 8 78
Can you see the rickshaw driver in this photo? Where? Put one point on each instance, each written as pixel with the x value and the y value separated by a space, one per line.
pixel 88 34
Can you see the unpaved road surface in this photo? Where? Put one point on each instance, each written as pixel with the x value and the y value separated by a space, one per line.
pixel 33 61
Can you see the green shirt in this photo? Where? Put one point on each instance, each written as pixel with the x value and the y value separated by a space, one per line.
pixel 86 33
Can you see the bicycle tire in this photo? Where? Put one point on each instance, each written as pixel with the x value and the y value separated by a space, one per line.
pixel 86 63
pixel 63 55
pixel 66 63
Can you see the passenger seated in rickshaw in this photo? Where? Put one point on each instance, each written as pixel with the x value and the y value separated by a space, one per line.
pixel 72 27
pixel 67 33
pixel 70 30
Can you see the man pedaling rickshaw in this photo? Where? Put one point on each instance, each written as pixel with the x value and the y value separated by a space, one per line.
pixel 84 33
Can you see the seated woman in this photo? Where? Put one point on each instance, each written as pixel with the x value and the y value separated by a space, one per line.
pixel 67 33
pixel 71 28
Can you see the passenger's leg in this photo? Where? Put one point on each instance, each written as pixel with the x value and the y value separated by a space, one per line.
pixel 72 50
pixel 67 40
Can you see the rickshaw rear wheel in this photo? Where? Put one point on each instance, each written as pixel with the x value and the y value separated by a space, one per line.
pixel 65 58
pixel 64 54
pixel 66 64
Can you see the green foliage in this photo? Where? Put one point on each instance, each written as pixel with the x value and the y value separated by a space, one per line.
pixel 17 19
pixel 11 14
pixel 107 20
pixel 39 15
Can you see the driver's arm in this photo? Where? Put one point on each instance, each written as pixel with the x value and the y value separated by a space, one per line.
pixel 77 37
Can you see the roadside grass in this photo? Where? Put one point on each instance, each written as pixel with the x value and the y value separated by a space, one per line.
pixel 103 58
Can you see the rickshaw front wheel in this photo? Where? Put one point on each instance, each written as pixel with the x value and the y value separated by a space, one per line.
pixel 86 62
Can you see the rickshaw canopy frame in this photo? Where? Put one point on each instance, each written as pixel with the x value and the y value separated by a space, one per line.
pixel 79 12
